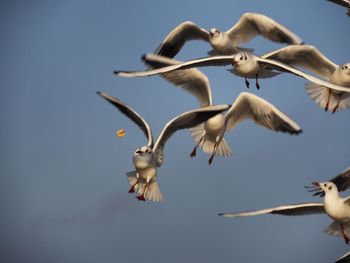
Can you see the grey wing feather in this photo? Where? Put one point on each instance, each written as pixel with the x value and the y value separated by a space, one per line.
pixel 175 40
pixel 131 114
pixel 200 62
pixel 305 56
pixel 250 106
pixel 186 120
pixel 252 24
pixel 288 210
pixel 191 80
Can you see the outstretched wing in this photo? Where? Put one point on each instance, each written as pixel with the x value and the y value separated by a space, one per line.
pixel 250 106
pixel 175 40
pixel 252 24
pixel 131 114
pixel 191 80
pixel 344 258
pixel 186 120
pixel 287 210
pixel 200 62
pixel 285 68
pixel 305 56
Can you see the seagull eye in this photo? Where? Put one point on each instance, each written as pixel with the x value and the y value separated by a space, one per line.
pixel 325 185
pixel 241 58
pixel 346 67
pixel 330 188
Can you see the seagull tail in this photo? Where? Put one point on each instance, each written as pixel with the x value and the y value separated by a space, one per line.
pixel 208 146
pixel 319 94
pixel 152 191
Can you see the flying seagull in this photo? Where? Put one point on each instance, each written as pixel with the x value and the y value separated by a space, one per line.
pixel 209 136
pixel 149 157
pixel 342 181
pixel 247 27
pixel 334 206
pixel 310 58
pixel 244 64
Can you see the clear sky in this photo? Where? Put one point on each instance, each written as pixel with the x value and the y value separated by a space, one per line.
pixel 63 188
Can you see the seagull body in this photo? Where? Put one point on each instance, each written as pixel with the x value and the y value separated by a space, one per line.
pixel 310 58
pixel 247 27
pixel 210 135
pixel 148 158
pixel 333 205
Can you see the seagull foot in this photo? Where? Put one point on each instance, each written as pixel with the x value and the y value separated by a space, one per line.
pixel 246 83
pixel 210 160
pixel 141 198
pixel 193 153
pixel 131 190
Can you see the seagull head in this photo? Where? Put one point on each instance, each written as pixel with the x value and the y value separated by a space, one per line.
pixel 346 68
pixel 241 58
pixel 326 187
pixel 214 32
pixel 142 157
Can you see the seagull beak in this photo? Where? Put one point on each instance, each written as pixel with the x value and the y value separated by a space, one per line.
pixel 139 152
pixel 317 184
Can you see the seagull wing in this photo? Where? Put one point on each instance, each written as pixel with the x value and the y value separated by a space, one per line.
pixel 250 106
pixel 252 24
pixel 131 114
pixel 200 62
pixel 305 56
pixel 344 258
pixel 285 68
pixel 175 40
pixel 191 80
pixel 341 2
pixel 287 210
pixel 185 120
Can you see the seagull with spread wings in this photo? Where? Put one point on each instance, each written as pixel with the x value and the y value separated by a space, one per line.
pixel 247 27
pixel 149 157
pixel 334 206
pixel 209 136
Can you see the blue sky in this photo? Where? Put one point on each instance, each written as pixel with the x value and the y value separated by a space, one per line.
pixel 63 188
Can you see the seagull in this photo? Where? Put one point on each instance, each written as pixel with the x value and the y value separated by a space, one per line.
pixel 248 26
pixel 149 157
pixel 209 136
pixel 244 64
pixel 333 205
pixel 345 3
pixel 310 58
pixel 344 259
pixel 342 181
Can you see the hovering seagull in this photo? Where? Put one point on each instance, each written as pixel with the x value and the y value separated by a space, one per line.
pixel 344 259
pixel 312 59
pixel 149 157
pixel 209 136
pixel 342 181
pixel 248 26
pixel 334 206
pixel 244 64
pixel 345 3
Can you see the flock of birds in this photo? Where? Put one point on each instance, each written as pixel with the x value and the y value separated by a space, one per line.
pixel 330 89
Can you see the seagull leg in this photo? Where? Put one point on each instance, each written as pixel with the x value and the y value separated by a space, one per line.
pixel 213 154
pixel 346 238
pixel 141 197
pixel 257 81
pixel 132 188
pixel 246 82
pixel 193 153
pixel 329 96
pixel 337 106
